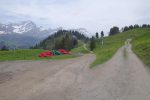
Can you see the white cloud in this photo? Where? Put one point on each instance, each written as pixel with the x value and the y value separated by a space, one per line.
pixel 95 15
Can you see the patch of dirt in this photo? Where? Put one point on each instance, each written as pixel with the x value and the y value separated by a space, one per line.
pixel 6 76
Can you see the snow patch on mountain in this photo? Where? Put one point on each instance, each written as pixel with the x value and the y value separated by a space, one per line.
pixel 83 31
pixel 17 29
pixel 2 32
pixel 23 27
pixel 42 28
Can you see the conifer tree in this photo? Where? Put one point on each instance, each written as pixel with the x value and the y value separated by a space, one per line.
pixel 92 44
pixel 97 35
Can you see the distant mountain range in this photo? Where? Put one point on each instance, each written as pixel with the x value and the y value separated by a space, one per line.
pixel 26 34
pixel 23 34
pixel 27 28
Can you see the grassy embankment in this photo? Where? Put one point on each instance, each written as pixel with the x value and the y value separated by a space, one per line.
pixel 140 40
pixel 141 46
pixel 81 48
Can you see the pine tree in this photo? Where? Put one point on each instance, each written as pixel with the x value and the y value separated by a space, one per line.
pixel 92 44
pixel 144 26
pixel 97 35
pixel 136 26
pixel 63 43
pixel 131 27
pixel 126 28
pixel 74 41
pixel 114 30
pixel 102 35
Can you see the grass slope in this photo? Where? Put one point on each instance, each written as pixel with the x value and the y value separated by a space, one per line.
pixel 80 49
pixel 141 45
pixel 28 55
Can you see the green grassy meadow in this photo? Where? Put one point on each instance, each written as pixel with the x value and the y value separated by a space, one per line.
pixel 31 54
pixel 79 49
pixel 140 40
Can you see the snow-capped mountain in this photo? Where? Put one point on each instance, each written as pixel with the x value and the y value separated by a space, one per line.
pixel 23 27
pixel 23 34
pixel 27 28
pixel 83 31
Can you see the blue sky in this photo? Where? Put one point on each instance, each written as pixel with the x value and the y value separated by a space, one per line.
pixel 94 15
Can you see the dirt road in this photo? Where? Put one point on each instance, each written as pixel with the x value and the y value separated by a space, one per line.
pixel 124 77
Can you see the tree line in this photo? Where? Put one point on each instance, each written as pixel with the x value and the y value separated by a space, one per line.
pixel 96 38
pixel 67 42
pixel 114 30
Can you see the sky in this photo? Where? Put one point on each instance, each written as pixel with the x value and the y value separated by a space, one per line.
pixel 94 15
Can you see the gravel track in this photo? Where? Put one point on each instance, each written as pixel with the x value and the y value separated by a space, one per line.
pixel 124 77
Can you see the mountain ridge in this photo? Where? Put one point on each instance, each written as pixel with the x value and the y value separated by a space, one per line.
pixel 25 34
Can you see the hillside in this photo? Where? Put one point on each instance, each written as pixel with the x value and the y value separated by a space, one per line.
pixel 141 46
pixel 140 41
pixel 52 42
pixel 66 39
